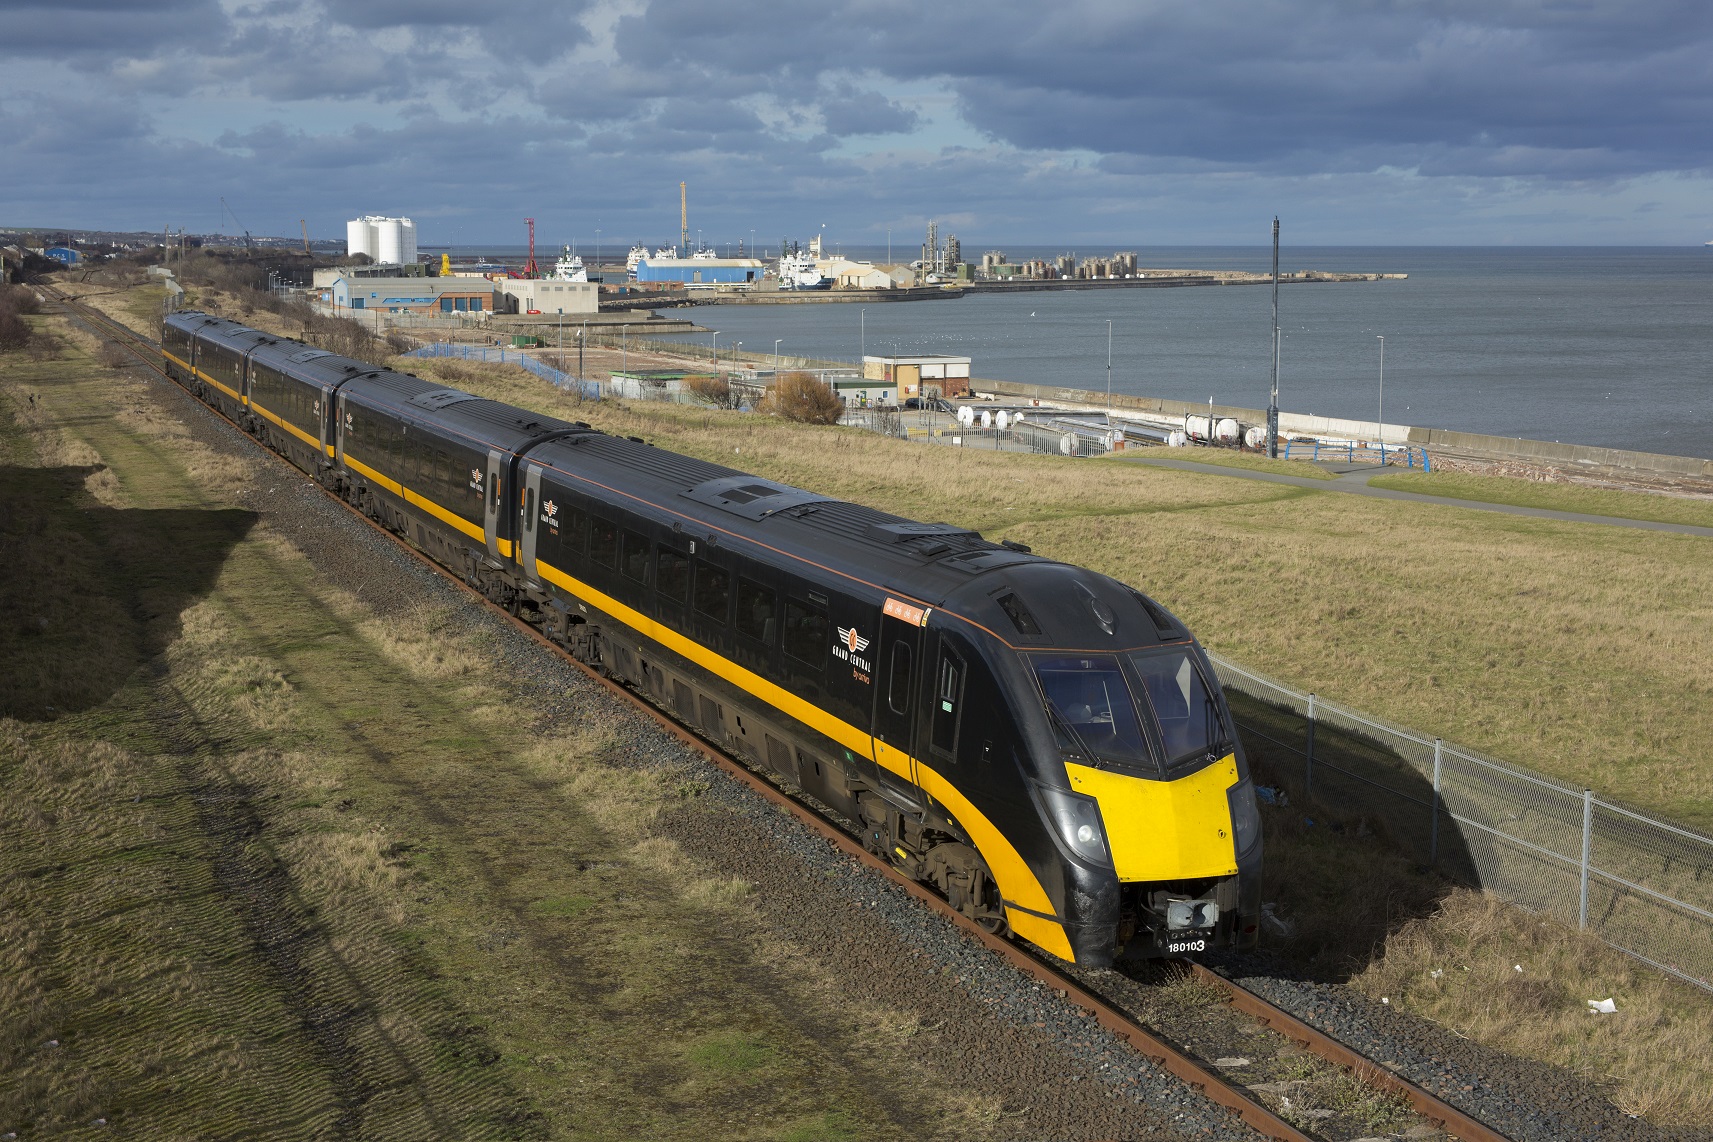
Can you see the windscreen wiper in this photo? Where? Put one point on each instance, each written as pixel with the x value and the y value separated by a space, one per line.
pixel 1071 731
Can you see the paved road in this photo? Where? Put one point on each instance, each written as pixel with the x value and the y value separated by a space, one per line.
pixel 1355 483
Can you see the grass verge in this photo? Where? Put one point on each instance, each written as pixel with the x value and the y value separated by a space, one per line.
pixel 1225 458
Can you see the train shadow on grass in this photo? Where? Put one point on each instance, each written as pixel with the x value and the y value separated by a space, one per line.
pixel 88 593
pixel 1351 855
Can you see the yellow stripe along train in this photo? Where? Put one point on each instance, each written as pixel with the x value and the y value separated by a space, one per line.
pixel 1045 745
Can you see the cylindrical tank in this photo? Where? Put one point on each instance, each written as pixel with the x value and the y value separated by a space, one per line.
pixel 1176 439
pixel 1226 431
pixel 1255 437
pixel 359 238
pixel 407 254
pixel 389 241
pixel 1198 427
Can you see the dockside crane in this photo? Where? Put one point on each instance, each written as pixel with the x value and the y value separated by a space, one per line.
pixel 303 225
pixel 683 222
pixel 249 246
pixel 529 268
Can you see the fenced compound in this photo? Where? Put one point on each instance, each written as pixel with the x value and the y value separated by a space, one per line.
pixel 1350 452
pixel 1643 886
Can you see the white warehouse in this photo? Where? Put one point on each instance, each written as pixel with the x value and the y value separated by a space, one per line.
pixel 387 241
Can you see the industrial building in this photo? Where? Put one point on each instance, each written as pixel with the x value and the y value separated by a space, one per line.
pixel 387 241
pixel 322 277
pixel 700 271
pixel 412 294
pixel 909 375
pixel 543 295
pixel 63 254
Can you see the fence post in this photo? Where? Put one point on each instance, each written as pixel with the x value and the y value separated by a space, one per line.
pixel 1433 832
pixel 1587 851
pixel 1308 755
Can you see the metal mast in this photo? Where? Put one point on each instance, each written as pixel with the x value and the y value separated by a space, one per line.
pixel 1273 405
pixel 683 222
pixel 529 268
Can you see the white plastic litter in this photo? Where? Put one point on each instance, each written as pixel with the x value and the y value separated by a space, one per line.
pixel 1387 1000
pixel 1516 967
pixel 1232 1061
pixel 1602 1006
pixel 1436 973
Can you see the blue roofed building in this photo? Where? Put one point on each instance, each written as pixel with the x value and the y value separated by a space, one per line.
pixel 63 254
pixel 700 271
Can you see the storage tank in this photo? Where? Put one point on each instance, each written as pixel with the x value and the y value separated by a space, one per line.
pixel 408 251
pixel 1255 437
pixel 389 241
pixel 1226 431
pixel 1198 427
pixel 359 238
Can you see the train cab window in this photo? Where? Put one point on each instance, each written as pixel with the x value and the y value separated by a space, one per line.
pixel 1093 713
pixel 635 559
pixel 948 702
pixel 756 608
pixel 713 589
pixel 898 682
pixel 1191 727
pixel 529 509
pixel 806 633
pixel 603 542
pixel 672 575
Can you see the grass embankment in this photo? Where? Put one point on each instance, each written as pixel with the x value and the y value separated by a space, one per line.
pixel 1697 511
pixel 1574 649
pixel 274 864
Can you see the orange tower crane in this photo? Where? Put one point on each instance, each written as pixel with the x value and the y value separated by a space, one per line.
pixel 529 267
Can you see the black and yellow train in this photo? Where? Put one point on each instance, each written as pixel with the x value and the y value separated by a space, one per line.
pixel 1047 746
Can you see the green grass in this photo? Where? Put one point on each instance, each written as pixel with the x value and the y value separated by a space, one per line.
pixel 1225 458
pixel 1697 511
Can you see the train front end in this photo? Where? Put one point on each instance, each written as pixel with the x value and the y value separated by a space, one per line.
pixel 1132 761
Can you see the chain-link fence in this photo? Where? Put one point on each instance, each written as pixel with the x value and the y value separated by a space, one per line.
pixel 590 390
pixel 1642 885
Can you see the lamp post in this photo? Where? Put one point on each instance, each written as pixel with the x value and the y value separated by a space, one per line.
pixel 776 359
pixel 1273 406
pixel 862 334
pixel 624 348
pixel 716 349
pixel 1382 399
pixel 1109 372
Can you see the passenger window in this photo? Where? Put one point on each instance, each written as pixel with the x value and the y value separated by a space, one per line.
pixel 672 575
pixel 806 634
pixel 898 686
pixel 529 509
pixel 574 529
pixel 635 557
pixel 948 699
pixel 603 542
pixel 713 587
pixel 755 611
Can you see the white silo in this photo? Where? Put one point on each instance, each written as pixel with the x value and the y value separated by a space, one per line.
pixel 389 241
pixel 359 238
pixel 407 251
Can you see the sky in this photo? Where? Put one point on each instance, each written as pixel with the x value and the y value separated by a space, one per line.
pixel 1129 122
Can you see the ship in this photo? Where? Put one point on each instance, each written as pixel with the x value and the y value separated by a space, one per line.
pixel 569 267
pixel 800 269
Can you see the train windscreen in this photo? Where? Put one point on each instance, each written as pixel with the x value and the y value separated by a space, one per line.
pixel 1185 709
pixel 1092 709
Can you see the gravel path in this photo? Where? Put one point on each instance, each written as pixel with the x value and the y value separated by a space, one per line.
pixel 984 1026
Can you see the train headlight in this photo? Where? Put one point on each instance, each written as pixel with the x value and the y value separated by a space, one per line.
pixel 1245 817
pixel 1078 820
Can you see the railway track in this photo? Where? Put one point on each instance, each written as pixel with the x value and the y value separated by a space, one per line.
pixel 1208 1082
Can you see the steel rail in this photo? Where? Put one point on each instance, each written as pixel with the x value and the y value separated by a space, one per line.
pixel 1185 1068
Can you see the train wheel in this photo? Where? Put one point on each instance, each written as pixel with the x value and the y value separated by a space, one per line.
pixel 960 873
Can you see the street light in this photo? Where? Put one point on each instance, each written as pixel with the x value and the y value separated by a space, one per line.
pixel 862 336
pixel 1382 399
pixel 716 348
pixel 776 359
pixel 1109 372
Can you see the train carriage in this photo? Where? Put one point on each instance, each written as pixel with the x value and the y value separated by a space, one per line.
pixel 1046 745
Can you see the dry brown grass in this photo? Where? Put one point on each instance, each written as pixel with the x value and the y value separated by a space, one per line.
pixel 1458 968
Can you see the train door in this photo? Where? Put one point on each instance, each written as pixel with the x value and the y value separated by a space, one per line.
pixel 898 668
pixel 529 522
pixel 493 501
pixel 323 406
pixel 341 421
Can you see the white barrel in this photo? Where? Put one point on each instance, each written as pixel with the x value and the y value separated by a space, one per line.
pixel 1255 437
pixel 1198 427
pixel 407 243
pixel 1004 419
pixel 359 238
pixel 1176 439
pixel 389 242
pixel 986 418
pixel 1226 431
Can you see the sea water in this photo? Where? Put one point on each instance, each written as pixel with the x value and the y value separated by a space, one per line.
pixel 1596 345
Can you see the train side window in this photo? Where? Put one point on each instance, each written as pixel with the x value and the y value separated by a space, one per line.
pixel 573 529
pixel 635 560
pixel 948 702
pixel 898 684
pixel 672 575
pixel 713 588
pixel 603 542
pixel 529 509
pixel 756 608
pixel 806 633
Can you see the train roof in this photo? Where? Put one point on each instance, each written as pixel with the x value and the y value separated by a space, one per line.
pixel 485 422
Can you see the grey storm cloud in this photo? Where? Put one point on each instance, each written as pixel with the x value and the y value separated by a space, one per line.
pixel 1103 103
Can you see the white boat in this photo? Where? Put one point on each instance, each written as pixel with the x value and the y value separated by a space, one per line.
pixel 637 253
pixel 798 271
pixel 569 267
pixel 706 254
